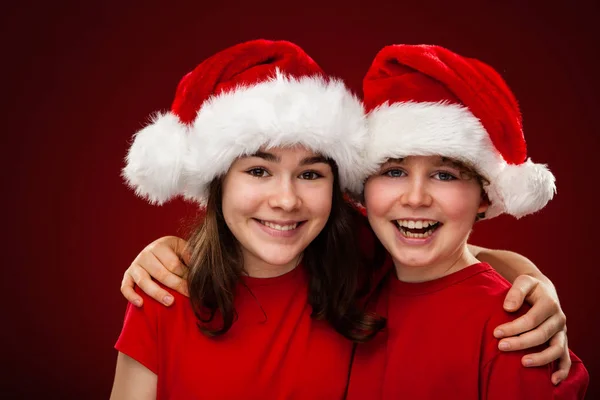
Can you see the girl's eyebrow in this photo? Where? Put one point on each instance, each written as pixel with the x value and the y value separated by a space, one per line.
pixel 265 156
pixel 274 158
pixel 314 160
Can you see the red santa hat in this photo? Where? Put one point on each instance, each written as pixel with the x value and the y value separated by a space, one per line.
pixel 255 94
pixel 427 100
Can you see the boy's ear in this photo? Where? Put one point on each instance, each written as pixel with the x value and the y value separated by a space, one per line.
pixel 483 205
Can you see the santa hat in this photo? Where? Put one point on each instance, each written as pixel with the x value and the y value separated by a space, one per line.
pixel 427 100
pixel 255 94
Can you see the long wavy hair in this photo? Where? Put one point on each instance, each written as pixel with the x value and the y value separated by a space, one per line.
pixel 336 271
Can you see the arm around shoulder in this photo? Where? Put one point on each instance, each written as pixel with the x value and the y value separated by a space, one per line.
pixel 508 263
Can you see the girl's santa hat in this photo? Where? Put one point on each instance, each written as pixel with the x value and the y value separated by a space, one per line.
pixel 255 94
pixel 427 100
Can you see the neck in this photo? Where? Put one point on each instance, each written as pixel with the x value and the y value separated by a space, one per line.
pixel 460 259
pixel 256 268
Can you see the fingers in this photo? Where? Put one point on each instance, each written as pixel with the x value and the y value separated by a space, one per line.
pixel 538 336
pixel 544 307
pixel 143 280
pixel 558 350
pixel 564 366
pixel 128 291
pixel 164 266
pixel 168 257
pixel 521 288
pixel 182 250
pixel 534 317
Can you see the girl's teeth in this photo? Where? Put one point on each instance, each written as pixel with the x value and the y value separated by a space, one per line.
pixel 280 227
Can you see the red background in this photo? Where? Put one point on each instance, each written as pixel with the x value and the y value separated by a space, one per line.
pixel 79 79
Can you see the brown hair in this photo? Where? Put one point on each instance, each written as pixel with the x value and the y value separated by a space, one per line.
pixel 331 260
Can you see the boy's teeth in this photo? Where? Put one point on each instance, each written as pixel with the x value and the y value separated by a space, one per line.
pixel 280 227
pixel 420 224
pixel 408 234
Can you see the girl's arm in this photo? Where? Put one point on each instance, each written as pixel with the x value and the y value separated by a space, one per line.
pixel 544 322
pixel 133 381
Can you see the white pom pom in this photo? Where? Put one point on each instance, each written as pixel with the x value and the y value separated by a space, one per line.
pixel 523 189
pixel 154 161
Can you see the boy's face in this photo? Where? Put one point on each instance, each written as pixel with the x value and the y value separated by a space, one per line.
pixel 422 209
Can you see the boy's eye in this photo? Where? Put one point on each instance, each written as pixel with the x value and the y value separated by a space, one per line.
pixel 258 172
pixel 310 175
pixel 444 176
pixel 394 173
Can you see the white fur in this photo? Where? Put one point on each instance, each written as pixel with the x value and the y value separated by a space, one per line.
pixel 405 129
pixel 524 189
pixel 283 111
pixel 154 163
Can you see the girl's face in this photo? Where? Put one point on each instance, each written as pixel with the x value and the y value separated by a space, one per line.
pixel 275 203
pixel 422 209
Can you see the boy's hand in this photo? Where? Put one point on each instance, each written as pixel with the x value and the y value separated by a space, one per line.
pixel 165 260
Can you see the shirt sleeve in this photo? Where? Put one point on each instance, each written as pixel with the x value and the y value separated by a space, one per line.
pixel 504 377
pixel 139 336
pixel 576 384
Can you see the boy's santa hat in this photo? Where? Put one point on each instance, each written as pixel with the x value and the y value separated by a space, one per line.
pixel 427 100
pixel 255 94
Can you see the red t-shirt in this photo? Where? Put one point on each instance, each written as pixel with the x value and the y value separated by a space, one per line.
pixel 274 350
pixel 439 344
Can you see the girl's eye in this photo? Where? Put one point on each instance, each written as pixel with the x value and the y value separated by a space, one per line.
pixel 444 176
pixel 310 175
pixel 394 173
pixel 258 172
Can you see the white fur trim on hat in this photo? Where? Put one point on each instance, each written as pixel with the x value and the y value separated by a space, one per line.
pixel 154 163
pixel 321 114
pixel 451 130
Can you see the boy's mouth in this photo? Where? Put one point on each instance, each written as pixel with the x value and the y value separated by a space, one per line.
pixel 417 229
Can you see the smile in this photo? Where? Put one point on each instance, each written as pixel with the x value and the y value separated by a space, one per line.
pixel 280 226
pixel 417 229
pixel 280 229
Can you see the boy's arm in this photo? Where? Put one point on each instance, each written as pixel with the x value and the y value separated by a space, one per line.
pixel 544 321
pixel 133 381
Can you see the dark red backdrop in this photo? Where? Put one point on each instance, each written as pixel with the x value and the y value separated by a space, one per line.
pixel 79 79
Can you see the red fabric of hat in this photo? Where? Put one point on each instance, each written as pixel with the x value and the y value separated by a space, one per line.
pixel 425 100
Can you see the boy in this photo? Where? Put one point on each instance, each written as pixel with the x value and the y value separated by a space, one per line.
pixel 448 148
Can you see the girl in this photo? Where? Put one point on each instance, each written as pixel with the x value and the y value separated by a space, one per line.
pixel 266 144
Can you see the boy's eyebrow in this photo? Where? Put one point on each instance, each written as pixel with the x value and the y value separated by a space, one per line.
pixel 444 161
pixel 314 160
